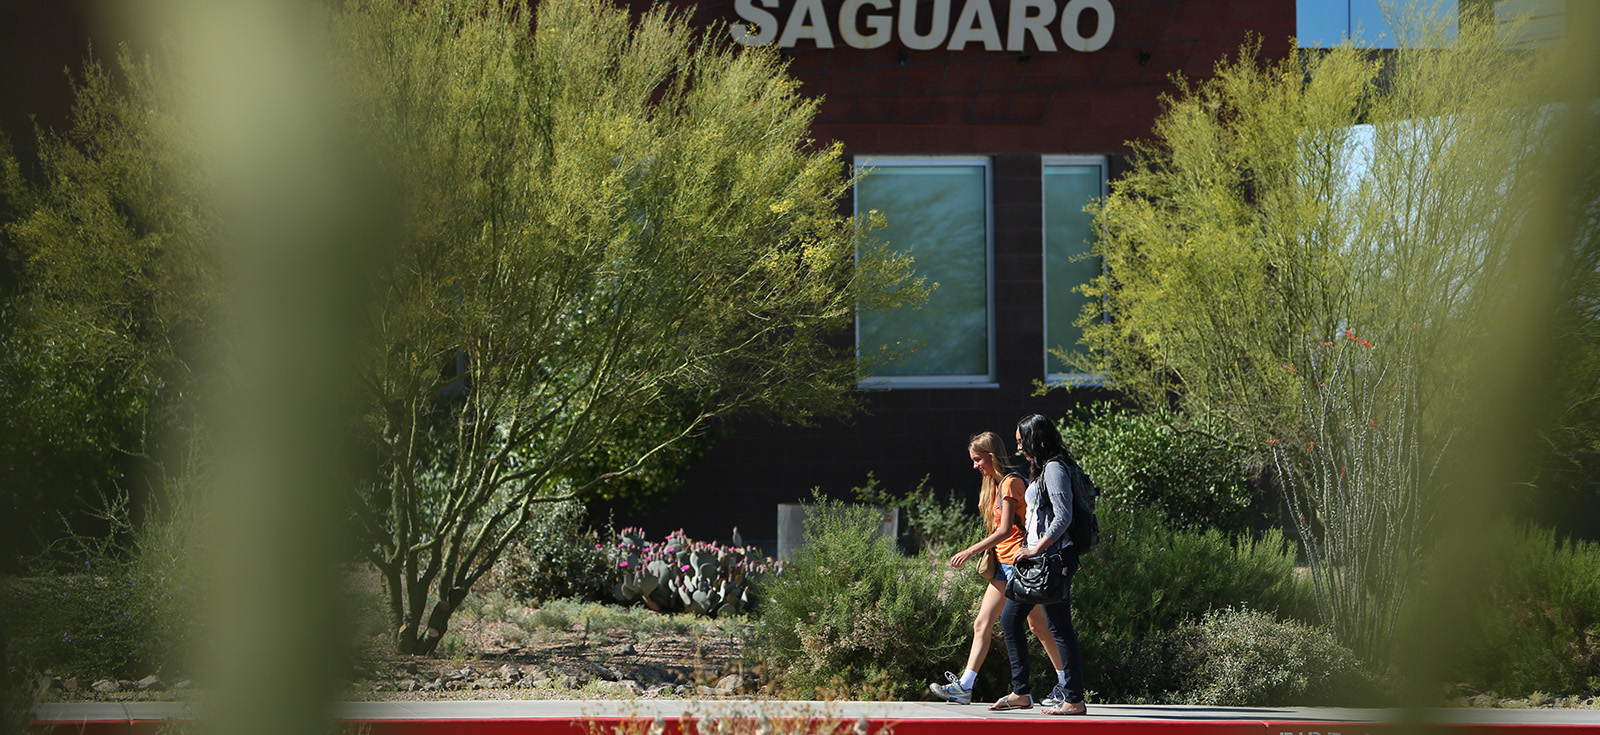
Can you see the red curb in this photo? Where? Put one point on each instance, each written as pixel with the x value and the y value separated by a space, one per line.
pixel 967 726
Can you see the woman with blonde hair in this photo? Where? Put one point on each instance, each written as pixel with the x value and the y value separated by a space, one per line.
pixel 1000 501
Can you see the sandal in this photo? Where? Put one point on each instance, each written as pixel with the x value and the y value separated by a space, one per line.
pixel 1066 708
pixel 1005 704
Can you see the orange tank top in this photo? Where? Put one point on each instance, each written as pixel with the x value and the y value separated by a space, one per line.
pixel 1007 549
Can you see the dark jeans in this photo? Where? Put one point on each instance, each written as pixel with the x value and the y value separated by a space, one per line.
pixel 1014 623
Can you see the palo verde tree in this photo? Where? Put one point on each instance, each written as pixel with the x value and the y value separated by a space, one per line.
pixel 603 222
pixel 1311 249
pixel 115 277
pixel 604 233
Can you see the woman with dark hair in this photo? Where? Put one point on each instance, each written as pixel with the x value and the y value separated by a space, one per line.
pixel 1049 513
pixel 1000 502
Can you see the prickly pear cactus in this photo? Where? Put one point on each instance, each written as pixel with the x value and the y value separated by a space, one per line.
pixel 683 575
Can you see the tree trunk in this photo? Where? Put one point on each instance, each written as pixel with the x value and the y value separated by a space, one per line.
pixel 405 640
pixel 438 622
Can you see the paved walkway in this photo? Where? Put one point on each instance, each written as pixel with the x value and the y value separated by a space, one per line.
pixel 1565 719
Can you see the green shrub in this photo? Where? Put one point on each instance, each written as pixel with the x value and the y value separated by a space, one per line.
pixel 1538 627
pixel 852 617
pixel 1248 658
pixel 107 619
pixel 1146 579
pixel 1195 477
pixel 557 556
pixel 123 606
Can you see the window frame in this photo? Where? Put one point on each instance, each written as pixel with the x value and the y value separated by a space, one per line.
pixel 1103 162
pixel 935 382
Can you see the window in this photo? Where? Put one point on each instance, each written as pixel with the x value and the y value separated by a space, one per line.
pixel 1069 183
pixel 1327 23
pixel 937 209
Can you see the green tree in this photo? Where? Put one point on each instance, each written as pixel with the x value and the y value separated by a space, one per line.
pixel 605 221
pixel 1311 249
pixel 99 339
pixel 601 237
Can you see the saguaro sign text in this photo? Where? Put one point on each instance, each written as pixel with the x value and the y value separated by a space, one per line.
pixel 868 24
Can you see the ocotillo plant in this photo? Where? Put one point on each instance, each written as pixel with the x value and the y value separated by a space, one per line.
pixel 1358 484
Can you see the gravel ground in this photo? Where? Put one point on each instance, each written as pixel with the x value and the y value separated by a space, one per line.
pixel 509 658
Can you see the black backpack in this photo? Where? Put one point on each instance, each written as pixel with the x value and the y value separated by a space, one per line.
pixel 1085 528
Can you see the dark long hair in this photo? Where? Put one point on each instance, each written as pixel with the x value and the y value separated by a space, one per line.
pixel 1042 443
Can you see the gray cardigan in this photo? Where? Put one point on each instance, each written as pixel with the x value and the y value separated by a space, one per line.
pixel 1050 519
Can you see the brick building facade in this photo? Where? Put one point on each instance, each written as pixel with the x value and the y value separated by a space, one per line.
pixel 1009 115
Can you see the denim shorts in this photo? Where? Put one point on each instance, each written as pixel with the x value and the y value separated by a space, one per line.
pixel 1002 573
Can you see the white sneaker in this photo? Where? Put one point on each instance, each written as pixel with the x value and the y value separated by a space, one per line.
pixel 1057 696
pixel 952 692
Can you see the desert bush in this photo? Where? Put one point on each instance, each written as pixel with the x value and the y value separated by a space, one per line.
pixel 1192 472
pixel 1248 658
pixel 1537 627
pixel 851 616
pixel 105 619
pixel 1147 579
pixel 123 605
pixel 557 555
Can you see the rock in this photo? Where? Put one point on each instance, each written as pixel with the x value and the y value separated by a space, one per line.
pixel 730 684
pixel 151 683
pixel 432 686
pixel 106 686
pixel 183 684
pixel 126 685
pixel 46 683
pixel 653 675
pixel 660 690
pixel 604 673
pixel 488 684
pixel 407 685
pixel 628 650
pixel 626 686
pixel 706 691
pixel 508 672
pixel 682 690
pixel 70 684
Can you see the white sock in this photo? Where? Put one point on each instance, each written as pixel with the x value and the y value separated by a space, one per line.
pixel 1061 677
pixel 969 678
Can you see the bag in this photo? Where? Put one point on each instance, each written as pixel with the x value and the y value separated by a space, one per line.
pixel 988 564
pixel 1040 579
pixel 1085 528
